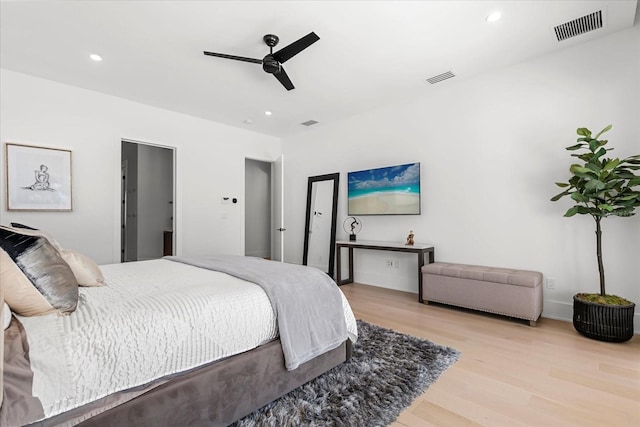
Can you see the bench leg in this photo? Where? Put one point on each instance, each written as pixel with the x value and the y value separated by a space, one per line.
pixel 532 323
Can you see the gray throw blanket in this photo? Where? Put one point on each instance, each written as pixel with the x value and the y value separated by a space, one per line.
pixel 307 303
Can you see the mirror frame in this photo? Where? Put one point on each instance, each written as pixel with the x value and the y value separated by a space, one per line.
pixel 335 177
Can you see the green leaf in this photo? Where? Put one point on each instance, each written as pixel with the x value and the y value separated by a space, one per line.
pixel 605 207
pixel 571 212
pixel 559 196
pixel 594 167
pixel 607 129
pixel 575 147
pixel 601 152
pixel 579 197
pixel 593 144
pixel 594 184
pixel 577 170
pixel 584 132
pixel 624 174
pixel 581 210
pixel 562 184
pixel 611 164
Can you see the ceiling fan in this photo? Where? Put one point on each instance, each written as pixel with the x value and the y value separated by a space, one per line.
pixel 272 63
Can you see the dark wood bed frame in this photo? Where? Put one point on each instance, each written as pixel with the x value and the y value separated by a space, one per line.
pixel 216 394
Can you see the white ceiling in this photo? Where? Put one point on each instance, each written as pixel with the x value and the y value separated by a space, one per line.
pixel 370 53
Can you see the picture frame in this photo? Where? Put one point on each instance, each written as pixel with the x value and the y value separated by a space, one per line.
pixel 38 178
pixel 390 190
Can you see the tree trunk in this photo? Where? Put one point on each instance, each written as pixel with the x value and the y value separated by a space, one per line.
pixel 599 254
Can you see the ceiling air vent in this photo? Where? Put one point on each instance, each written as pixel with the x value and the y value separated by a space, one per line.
pixel 309 122
pixel 582 25
pixel 441 77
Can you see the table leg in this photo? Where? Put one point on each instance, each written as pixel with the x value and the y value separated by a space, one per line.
pixel 338 264
pixel 420 264
pixel 349 278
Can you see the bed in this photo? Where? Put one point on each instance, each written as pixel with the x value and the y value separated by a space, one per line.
pixel 172 341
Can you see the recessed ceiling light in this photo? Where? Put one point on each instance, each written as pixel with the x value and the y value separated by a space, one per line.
pixel 95 57
pixel 268 113
pixel 494 16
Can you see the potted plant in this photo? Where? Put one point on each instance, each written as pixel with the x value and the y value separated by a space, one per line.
pixel 601 187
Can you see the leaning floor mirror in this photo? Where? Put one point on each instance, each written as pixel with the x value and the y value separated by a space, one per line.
pixel 320 223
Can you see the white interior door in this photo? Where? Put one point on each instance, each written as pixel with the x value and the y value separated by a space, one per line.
pixel 277 215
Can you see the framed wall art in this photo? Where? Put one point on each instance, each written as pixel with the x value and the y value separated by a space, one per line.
pixel 38 178
pixel 392 190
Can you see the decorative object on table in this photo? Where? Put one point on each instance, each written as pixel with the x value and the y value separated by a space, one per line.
pixel 601 187
pixel 352 225
pixel 38 178
pixel 410 241
pixel 383 360
pixel 393 190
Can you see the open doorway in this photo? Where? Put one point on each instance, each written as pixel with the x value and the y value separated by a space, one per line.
pixel 147 201
pixel 264 219
pixel 257 219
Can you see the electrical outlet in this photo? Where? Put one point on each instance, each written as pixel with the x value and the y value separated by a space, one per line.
pixel 395 263
pixel 390 263
pixel 551 283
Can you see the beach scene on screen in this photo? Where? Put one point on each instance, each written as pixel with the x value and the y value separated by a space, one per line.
pixel 385 191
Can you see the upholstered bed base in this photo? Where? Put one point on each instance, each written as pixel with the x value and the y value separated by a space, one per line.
pixel 219 393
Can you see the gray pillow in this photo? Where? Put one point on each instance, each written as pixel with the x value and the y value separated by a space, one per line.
pixel 50 286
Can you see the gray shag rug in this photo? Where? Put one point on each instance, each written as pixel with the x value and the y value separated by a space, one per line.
pixel 387 371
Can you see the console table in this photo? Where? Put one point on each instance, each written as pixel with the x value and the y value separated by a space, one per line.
pixel 420 249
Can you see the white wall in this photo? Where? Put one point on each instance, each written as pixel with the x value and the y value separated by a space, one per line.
pixel 210 164
pixel 491 148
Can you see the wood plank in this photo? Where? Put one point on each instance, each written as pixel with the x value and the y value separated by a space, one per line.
pixel 510 373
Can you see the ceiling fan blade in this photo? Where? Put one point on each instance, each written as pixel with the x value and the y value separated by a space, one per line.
pixel 237 58
pixel 284 79
pixel 296 47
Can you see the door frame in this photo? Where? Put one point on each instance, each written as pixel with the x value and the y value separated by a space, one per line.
pixel 117 244
pixel 276 223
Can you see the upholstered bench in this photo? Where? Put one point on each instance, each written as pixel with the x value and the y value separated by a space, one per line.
pixel 515 293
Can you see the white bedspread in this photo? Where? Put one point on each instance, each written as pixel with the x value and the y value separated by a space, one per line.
pixel 152 319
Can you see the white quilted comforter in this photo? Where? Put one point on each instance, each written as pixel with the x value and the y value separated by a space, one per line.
pixel 152 319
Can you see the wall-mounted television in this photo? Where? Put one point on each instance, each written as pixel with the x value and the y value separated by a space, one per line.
pixel 392 190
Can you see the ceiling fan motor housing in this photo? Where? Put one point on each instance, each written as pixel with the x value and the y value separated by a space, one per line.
pixel 271 65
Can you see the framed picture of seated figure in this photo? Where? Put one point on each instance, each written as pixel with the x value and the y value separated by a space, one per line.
pixel 38 178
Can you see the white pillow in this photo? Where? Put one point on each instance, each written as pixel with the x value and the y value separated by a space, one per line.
pixel 84 268
pixel 6 314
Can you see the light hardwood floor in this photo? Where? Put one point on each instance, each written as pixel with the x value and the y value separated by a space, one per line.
pixel 510 374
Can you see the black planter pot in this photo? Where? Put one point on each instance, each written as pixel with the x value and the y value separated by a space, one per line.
pixel 612 323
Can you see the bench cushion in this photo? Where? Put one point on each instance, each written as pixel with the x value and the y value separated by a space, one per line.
pixel 527 278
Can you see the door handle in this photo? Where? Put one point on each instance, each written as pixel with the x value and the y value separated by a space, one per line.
pixel 281 229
